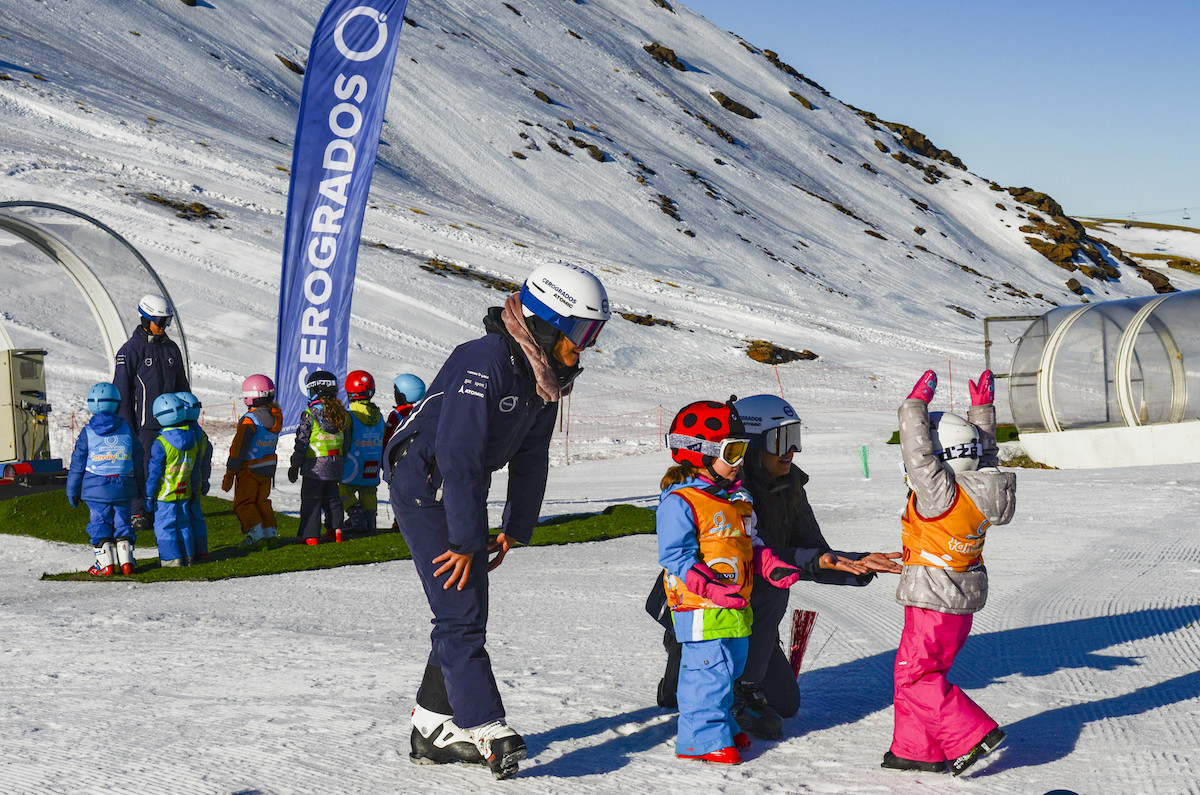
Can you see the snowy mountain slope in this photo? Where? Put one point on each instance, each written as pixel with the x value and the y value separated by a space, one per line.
pixel 795 226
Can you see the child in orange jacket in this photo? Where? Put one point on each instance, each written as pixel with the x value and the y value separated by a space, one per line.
pixel 250 468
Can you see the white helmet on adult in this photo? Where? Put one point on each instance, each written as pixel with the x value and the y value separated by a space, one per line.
pixel 955 441
pixel 771 422
pixel 569 298
pixel 155 308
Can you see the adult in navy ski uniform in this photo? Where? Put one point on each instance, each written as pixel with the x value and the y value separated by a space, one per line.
pixel 148 365
pixel 494 403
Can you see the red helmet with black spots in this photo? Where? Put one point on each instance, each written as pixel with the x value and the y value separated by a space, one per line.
pixel 699 422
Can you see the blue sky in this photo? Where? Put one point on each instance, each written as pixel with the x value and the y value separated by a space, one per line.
pixel 1094 103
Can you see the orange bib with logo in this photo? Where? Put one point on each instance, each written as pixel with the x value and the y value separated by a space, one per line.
pixel 723 530
pixel 951 541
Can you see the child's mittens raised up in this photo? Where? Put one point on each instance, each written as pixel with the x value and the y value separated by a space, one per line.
pixel 771 567
pixel 984 392
pixel 925 387
pixel 703 581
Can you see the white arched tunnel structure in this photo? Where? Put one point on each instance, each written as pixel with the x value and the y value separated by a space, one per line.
pixel 1115 383
pixel 107 270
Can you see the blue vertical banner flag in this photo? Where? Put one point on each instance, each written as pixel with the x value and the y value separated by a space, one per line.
pixel 345 92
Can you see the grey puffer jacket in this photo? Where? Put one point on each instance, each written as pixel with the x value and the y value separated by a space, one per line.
pixel 934 485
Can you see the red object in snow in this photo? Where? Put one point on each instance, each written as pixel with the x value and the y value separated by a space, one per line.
pixel 802 627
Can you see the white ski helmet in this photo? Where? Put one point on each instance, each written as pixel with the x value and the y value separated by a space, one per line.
pixel 569 298
pixel 771 422
pixel 155 307
pixel 955 441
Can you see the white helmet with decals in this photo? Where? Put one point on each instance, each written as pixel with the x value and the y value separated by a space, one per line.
pixel 569 298
pixel 955 441
pixel 772 423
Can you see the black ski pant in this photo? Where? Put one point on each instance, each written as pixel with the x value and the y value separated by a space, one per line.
pixel 319 497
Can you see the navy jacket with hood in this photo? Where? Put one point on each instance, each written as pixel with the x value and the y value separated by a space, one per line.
pixel 147 366
pixel 481 412
pixel 103 488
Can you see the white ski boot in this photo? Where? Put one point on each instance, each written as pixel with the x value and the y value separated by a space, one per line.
pixel 125 555
pixel 500 747
pixel 106 560
pixel 270 537
pixel 437 741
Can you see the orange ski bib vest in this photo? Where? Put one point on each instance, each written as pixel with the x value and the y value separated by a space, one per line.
pixel 723 530
pixel 951 541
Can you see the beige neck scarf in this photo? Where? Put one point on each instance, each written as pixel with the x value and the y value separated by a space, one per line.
pixel 543 371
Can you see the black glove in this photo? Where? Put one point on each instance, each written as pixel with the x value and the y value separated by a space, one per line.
pixel 293 474
pixel 141 523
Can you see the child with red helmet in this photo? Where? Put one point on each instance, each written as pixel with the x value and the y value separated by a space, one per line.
pixel 250 469
pixel 708 549
pixel 360 478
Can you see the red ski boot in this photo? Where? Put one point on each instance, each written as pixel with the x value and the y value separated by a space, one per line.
pixel 724 756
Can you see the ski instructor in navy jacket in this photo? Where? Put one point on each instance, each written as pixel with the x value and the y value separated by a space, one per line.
pixel 494 403
pixel 149 364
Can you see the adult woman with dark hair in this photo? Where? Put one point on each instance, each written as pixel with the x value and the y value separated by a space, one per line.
pixel 766 692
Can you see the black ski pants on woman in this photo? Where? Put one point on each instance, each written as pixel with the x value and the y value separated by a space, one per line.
pixel 459 622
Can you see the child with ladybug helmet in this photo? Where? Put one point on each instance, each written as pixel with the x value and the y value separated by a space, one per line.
pixel 361 474
pixel 956 492
pixel 250 468
pixel 709 552
pixel 766 692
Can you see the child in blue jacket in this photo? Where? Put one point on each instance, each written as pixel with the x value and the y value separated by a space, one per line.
pixel 172 477
pixel 709 551
pixel 105 473
pixel 202 473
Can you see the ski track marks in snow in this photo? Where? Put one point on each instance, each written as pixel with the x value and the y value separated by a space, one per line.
pixel 303 682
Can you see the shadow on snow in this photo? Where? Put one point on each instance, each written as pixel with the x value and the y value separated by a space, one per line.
pixel 846 693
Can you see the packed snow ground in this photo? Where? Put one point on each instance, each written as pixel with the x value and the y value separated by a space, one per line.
pixel 1087 653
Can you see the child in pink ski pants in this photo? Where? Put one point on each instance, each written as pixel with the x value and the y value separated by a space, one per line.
pixel 955 494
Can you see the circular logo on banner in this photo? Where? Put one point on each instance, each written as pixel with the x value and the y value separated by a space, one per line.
pixel 339 37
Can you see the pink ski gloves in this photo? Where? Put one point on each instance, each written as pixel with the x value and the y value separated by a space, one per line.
pixel 703 581
pixel 925 387
pixel 769 565
pixel 984 392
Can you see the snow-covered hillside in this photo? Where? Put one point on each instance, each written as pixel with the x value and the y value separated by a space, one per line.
pixel 800 226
